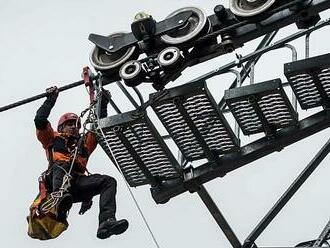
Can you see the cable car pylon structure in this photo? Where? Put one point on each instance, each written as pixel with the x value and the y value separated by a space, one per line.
pixel 157 53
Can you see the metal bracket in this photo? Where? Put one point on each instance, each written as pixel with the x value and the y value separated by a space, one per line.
pixel 114 44
pixel 189 181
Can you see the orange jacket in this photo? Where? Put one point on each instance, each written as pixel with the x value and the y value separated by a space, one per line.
pixel 62 146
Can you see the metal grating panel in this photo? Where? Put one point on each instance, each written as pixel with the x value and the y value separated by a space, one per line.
pixel 310 80
pixel 190 115
pixel 142 155
pixel 262 107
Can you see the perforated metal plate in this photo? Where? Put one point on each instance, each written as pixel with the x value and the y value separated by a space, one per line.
pixel 310 80
pixel 262 107
pixel 190 115
pixel 142 155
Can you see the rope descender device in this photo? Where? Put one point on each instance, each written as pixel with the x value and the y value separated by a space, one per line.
pixel 87 77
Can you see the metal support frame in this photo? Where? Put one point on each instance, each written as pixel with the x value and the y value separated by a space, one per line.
pixel 268 129
pixel 313 164
pixel 305 77
pixel 250 57
pixel 133 133
pixel 247 67
pixel 240 32
pixel 278 20
pixel 138 93
pixel 320 88
pixel 323 236
pixel 219 218
pixel 238 83
pixel 98 87
pixel 254 100
pixel 247 154
pixel 251 74
pixel 294 187
pixel 294 58
pixel 307 42
pixel 250 152
pixel 114 105
pixel 178 106
pixel 322 240
pixel 261 51
pixel 127 94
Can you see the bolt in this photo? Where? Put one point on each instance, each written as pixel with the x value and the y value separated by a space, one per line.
pixel 110 47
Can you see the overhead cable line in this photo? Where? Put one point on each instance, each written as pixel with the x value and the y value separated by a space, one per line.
pixel 37 97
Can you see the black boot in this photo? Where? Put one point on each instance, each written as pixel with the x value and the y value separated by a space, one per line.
pixel 111 226
pixel 63 206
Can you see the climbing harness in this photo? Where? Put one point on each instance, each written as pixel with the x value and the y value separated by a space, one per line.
pixel 55 196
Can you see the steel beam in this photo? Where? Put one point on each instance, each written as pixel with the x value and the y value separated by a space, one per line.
pixel 323 236
pixel 247 67
pixel 248 153
pixel 219 218
pixel 278 20
pixel 248 30
pixel 127 94
pixel 310 168
pixel 261 51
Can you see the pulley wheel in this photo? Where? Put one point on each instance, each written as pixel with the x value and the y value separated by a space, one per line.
pixel 195 25
pixel 248 8
pixel 102 60
pixel 132 73
pixel 169 58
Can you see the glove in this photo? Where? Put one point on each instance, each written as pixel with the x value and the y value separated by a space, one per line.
pixel 85 206
pixel 52 92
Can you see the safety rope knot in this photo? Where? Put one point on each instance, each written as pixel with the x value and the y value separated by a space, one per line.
pixel 55 196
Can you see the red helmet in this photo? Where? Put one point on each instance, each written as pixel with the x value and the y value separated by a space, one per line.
pixel 67 117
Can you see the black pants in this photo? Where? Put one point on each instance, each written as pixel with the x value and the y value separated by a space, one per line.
pixel 83 188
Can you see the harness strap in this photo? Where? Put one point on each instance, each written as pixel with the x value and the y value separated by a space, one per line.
pixel 50 157
pixel 55 196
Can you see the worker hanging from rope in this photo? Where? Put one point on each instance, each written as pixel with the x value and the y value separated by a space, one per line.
pixel 65 180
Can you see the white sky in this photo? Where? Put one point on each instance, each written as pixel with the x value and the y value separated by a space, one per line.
pixel 45 43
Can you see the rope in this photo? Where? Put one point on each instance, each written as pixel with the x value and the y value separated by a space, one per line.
pixel 128 187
